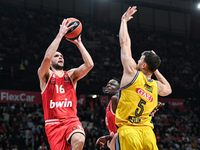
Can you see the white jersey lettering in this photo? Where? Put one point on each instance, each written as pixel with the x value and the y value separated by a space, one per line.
pixel 60 104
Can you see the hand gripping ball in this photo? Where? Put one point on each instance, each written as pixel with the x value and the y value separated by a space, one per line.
pixel 75 31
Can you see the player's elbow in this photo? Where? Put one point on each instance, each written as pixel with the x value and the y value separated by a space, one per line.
pixel 166 92
pixel 39 72
pixel 169 90
pixel 124 43
pixel 47 59
pixel 90 65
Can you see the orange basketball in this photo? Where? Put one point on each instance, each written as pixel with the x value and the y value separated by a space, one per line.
pixel 75 31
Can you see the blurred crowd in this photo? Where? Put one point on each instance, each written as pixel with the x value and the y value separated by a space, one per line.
pixel 22 126
pixel 24 37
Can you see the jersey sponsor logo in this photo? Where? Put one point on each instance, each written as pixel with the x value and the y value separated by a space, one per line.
pixel 74 127
pixel 148 88
pixel 144 94
pixel 60 104
pixel 66 78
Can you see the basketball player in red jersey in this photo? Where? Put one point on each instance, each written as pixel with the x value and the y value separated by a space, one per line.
pixel 62 125
pixel 112 90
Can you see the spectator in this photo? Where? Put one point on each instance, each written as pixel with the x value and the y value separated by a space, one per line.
pixel 42 147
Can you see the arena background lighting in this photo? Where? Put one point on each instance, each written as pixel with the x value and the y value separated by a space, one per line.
pixel 198 5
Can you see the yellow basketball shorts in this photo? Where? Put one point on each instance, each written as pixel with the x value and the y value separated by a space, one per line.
pixel 135 138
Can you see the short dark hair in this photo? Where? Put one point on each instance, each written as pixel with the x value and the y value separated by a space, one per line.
pixel 116 79
pixel 153 60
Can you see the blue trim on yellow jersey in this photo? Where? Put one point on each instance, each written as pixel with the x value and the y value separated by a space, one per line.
pixel 127 86
pixel 118 102
pixel 117 143
pixel 149 80
pixel 131 81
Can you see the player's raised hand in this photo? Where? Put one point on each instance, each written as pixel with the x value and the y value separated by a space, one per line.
pixel 64 27
pixel 76 40
pixel 128 14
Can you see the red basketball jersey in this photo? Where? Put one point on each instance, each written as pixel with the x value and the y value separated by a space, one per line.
pixel 59 98
pixel 110 120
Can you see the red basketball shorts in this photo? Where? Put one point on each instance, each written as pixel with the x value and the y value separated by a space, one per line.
pixel 59 132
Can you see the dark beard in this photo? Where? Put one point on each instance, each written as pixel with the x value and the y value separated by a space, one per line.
pixel 57 67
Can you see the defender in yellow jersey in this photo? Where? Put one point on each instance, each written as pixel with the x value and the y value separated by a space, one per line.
pixel 138 94
pixel 136 102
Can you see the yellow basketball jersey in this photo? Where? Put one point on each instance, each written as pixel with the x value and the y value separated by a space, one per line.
pixel 136 101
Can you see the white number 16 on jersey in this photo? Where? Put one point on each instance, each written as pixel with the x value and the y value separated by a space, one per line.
pixel 60 89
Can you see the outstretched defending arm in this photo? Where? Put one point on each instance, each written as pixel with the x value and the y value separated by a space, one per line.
pixel 128 62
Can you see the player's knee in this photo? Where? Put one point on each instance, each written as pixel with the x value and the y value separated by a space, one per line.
pixel 78 140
